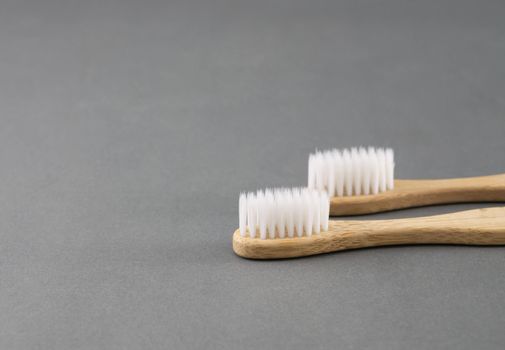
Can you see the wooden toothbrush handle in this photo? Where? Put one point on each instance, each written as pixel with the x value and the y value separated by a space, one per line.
pixel 417 193
pixel 472 227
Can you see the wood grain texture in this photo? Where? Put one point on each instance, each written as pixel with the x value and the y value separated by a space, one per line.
pixel 471 227
pixel 417 193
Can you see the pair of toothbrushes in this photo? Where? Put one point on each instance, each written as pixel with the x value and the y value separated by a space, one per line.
pixel 285 223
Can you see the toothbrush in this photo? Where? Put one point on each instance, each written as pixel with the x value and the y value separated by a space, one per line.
pixel 288 223
pixel 361 181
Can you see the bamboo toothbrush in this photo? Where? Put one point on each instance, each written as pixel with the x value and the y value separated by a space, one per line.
pixel 287 223
pixel 361 181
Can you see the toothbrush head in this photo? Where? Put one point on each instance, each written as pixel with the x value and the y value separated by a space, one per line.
pixel 283 213
pixel 355 171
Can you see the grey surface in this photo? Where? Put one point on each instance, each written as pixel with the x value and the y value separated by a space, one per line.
pixel 129 128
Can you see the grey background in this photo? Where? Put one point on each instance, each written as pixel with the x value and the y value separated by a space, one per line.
pixel 128 129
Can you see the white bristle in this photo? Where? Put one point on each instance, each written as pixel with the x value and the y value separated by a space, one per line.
pixel 348 172
pixel 330 168
pixel 262 214
pixel 298 212
pixel 308 213
pixel 390 168
pixel 252 214
pixel 316 205
pixel 289 213
pixel 325 212
pixel 271 213
pixel 338 166
pixel 281 213
pixel 374 167
pixel 356 166
pixel 355 171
